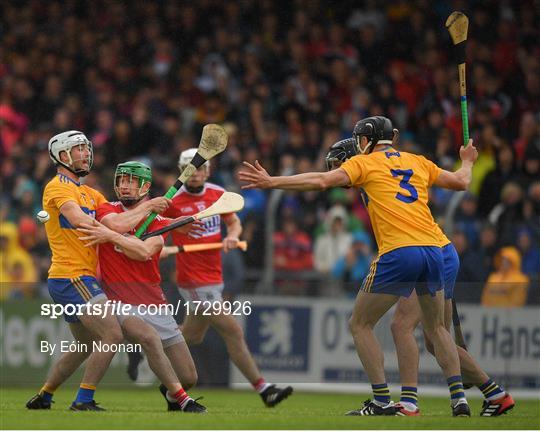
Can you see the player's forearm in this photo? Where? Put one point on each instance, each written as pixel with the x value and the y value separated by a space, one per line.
pixel 464 174
pixel 128 220
pixel 234 227
pixel 300 182
pixel 132 247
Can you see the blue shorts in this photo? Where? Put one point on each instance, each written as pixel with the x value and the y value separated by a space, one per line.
pixel 81 290
pixel 451 268
pixel 402 270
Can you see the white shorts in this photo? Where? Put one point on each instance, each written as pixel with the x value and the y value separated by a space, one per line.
pixel 163 322
pixel 208 293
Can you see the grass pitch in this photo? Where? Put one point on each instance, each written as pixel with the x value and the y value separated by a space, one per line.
pixel 136 408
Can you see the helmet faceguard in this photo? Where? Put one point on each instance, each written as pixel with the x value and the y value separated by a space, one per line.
pixel 340 152
pixel 185 158
pixel 132 169
pixel 66 141
pixel 377 130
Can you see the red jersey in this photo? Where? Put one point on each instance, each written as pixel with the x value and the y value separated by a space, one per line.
pixel 124 279
pixel 197 269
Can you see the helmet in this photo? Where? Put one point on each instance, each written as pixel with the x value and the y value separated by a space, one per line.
pixel 133 169
pixel 65 141
pixel 377 129
pixel 340 152
pixel 186 156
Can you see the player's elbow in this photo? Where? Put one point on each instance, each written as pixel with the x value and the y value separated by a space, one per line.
pixel 461 185
pixel 142 254
pixel 323 183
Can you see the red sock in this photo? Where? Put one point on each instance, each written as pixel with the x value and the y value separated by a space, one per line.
pixel 260 385
pixel 181 397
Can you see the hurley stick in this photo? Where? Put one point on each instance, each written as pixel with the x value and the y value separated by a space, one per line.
pixel 458 24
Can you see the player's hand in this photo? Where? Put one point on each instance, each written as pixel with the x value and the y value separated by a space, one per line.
pixel 256 176
pixel 230 243
pixel 158 205
pixel 95 233
pixel 184 229
pixel 469 153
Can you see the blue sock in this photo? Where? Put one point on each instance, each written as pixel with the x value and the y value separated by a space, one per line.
pixel 455 385
pixel 85 393
pixel 46 394
pixel 491 390
pixel 409 395
pixel 381 393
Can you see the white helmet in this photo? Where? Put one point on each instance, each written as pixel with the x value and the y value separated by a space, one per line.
pixel 65 141
pixel 186 156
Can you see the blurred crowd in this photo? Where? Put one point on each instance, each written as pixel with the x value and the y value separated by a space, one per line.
pixel 287 80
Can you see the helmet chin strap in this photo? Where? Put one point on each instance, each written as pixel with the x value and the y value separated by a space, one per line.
pixel 366 148
pixel 78 173
pixel 370 143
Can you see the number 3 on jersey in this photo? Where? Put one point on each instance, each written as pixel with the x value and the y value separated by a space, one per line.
pixel 404 184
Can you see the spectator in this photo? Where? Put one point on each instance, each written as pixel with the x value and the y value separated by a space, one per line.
pixel 354 266
pixel 486 251
pixel 507 286
pixel 495 180
pixel 292 248
pixel 508 212
pixel 468 283
pixel 330 247
pixel 467 219
pixel 530 253
pixel 17 270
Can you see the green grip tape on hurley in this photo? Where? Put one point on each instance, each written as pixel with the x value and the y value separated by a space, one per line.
pixel 465 120
pixel 170 193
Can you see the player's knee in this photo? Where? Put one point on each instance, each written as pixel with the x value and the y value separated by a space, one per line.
pixel 194 338
pixel 355 325
pixel 396 326
pixel 190 380
pixel 234 331
pixel 149 341
pixel 115 336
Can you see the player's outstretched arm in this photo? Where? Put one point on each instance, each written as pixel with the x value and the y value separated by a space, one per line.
pixel 257 177
pixel 126 221
pixel 133 247
pixel 73 213
pixel 461 179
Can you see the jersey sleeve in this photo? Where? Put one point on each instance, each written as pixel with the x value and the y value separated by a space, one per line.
pixel 57 194
pixel 99 198
pixel 355 168
pixel 158 223
pixel 433 171
pixel 103 210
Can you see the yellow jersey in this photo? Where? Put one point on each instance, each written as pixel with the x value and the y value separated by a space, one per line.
pixel 394 187
pixel 70 258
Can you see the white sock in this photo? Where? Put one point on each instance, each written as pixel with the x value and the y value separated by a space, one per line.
pixel 170 398
pixel 382 404
pixel 460 401
pixel 263 388
pixel 496 396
